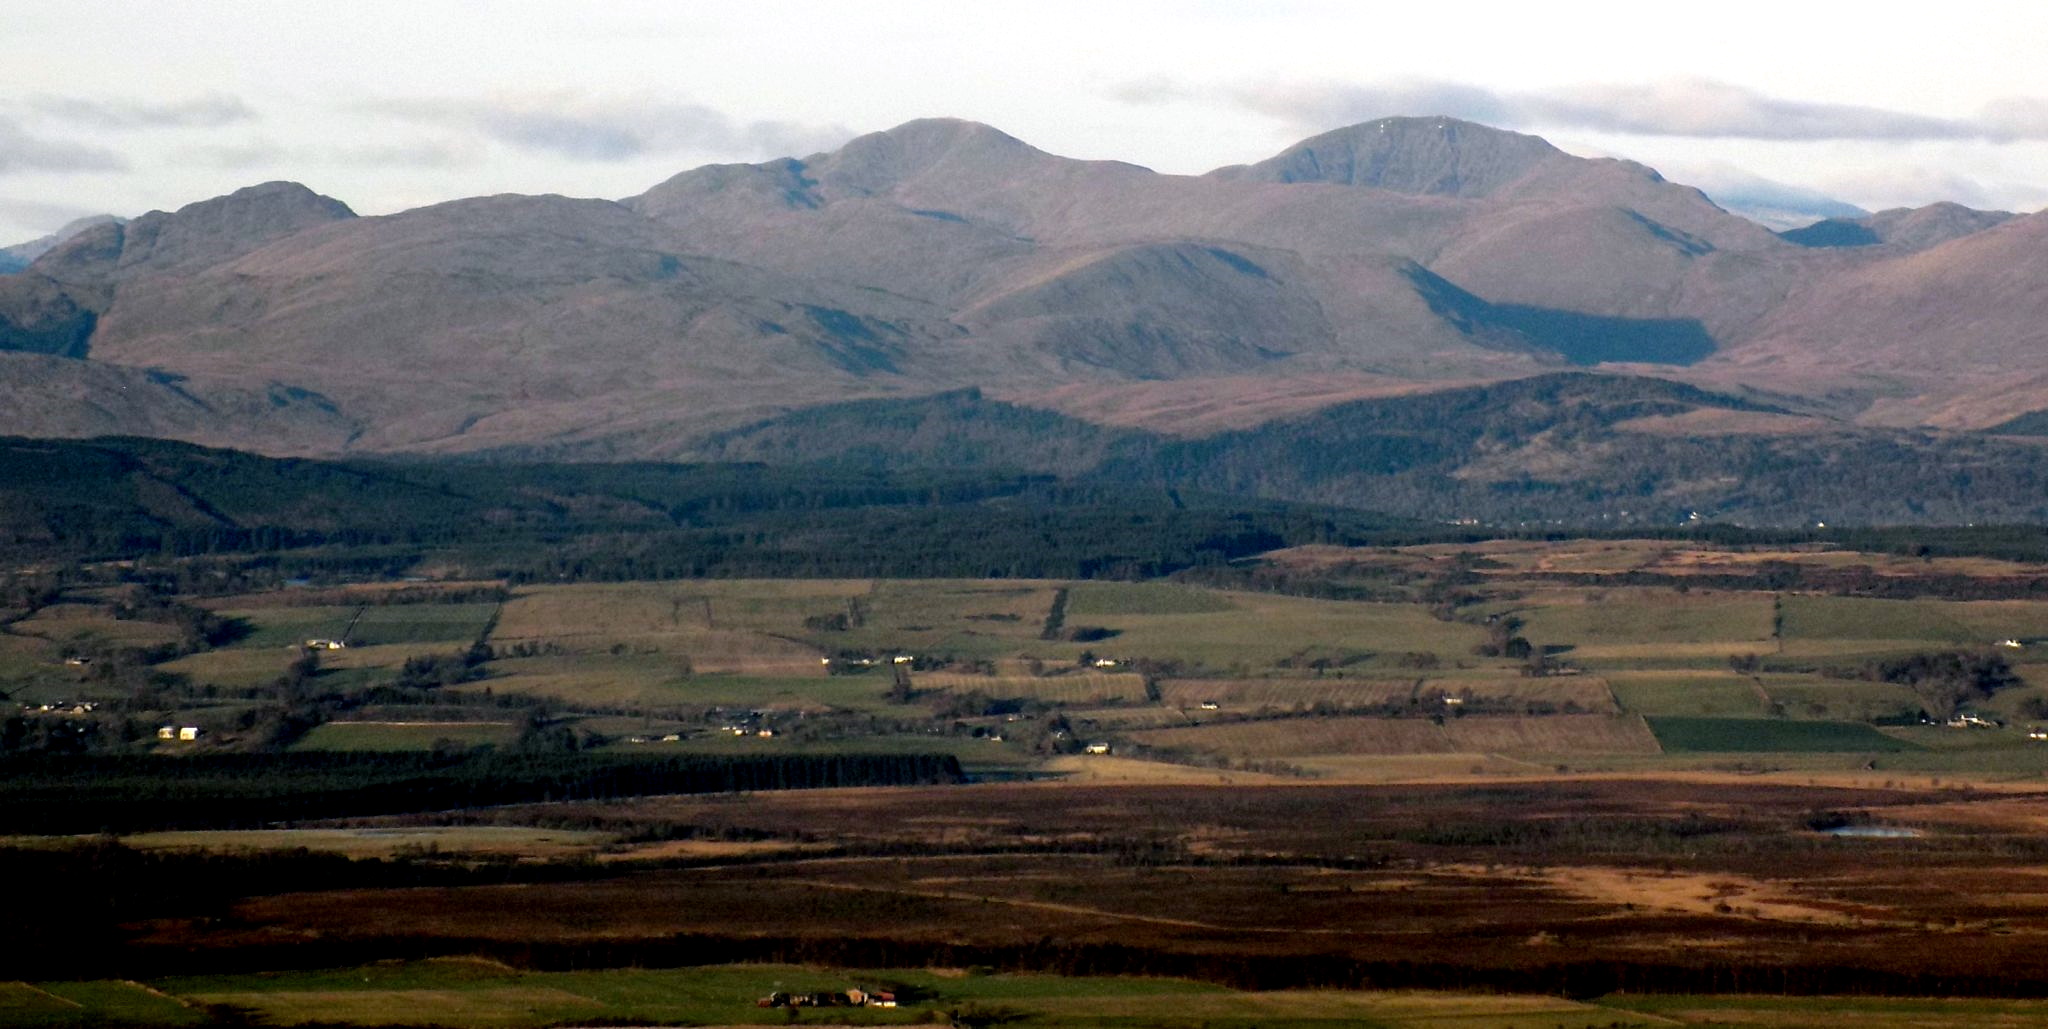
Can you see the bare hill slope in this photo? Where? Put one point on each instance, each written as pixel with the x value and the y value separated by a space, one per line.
pixel 943 254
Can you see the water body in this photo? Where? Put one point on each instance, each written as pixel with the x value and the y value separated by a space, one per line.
pixel 1877 832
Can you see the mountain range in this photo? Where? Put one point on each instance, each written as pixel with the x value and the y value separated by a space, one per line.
pixel 1416 258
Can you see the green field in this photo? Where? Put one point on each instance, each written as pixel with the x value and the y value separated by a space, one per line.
pixel 1089 599
pixel 1875 1012
pixel 404 736
pixel 274 627
pixel 1763 735
pixel 1865 618
pixel 1840 699
pixel 657 681
pixel 949 618
pixel 1687 693
pixel 461 624
pixel 640 652
pixel 91 623
pixel 93 1003
pixel 235 666
pixel 973 752
pixel 1630 617
pixel 747 626
pixel 1080 688
pixel 476 992
pixel 1265 631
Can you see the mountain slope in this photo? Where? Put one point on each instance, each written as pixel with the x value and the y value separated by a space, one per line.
pixel 1431 156
pixel 1957 333
pixel 1571 449
pixel 942 254
pixel 1904 228
pixel 21 255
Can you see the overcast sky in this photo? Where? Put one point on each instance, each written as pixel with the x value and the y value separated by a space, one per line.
pixel 123 107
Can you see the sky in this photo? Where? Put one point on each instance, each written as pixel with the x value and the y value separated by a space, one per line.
pixel 123 107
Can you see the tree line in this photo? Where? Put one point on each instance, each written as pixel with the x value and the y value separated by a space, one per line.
pixel 56 794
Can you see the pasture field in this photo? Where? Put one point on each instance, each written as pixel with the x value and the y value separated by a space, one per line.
pixel 515 841
pixel 462 624
pixel 711 621
pixel 641 650
pixel 1072 688
pixel 1091 599
pixel 1263 631
pixel 1978 623
pixel 404 735
pixel 1678 733
pixel 1567 693
pixel 1875 1012
pixel 975 753
pixel 1813 618
pixel 958 619
pixel 1688 692
pixel 1511 558
pixel 271 628
pixel 1638 622
pixel 1118 717
pixel 89 623
pixel 477 992
pixel 1286 694
pixel 94 1003
pixel 1807 696
pixel 661 682
pixel 234 667
pixel 30 672
pixel 384 655
pixel 1305 737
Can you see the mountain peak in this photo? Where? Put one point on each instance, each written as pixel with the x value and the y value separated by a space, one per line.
pixel 1435 156
pixel 267 203
pixel 21 255
pixel 879 160
pixel 227 226
pixel 1908 228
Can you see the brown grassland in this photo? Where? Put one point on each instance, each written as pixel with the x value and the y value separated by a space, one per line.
pixel 1644 882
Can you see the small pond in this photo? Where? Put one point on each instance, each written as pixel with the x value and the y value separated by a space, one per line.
pixel 1874 832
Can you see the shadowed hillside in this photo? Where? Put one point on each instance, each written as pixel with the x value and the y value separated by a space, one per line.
pixel 1568 449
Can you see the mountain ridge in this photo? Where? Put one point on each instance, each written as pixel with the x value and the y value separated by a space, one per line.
pixel 943 254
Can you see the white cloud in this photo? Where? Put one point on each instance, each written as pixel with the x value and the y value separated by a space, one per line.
pixel 1915 185
pixel 612 129
pixel 262 153
pixel 21 151
pixel 1693 107
pixel 212 110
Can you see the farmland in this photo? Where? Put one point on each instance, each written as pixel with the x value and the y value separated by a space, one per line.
pixel 1495 650
pixel 1428 785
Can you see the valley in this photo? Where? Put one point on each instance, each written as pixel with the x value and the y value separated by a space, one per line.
pixel 1292 788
